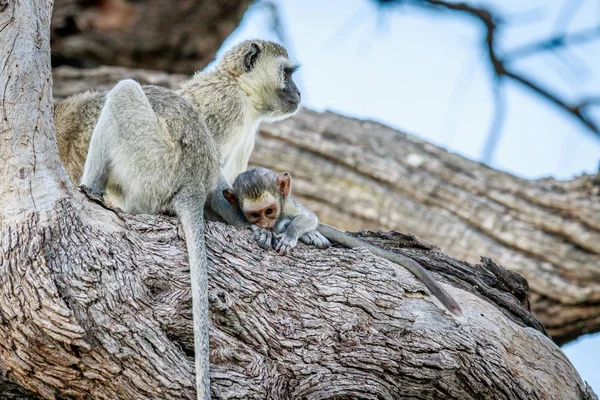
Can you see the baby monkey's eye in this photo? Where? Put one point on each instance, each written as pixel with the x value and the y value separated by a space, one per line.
pixel 255 215
pixel 269 211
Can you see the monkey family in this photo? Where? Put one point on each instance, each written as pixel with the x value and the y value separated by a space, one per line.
pixel 148 149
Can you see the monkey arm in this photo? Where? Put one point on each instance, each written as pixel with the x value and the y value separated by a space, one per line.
pixel 302 221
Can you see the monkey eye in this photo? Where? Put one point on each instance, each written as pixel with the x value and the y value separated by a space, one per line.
pixel 288 71
pixel 269 211
pixel 255 215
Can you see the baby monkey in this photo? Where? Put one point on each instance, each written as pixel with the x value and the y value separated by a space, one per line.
pixel 280 221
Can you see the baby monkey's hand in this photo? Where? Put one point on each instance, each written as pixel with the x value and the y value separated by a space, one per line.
pixel 264 237
pixel 285 243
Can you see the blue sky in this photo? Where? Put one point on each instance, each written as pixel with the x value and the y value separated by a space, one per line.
pixel 426 74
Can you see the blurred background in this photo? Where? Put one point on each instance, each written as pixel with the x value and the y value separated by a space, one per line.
pixel 513 84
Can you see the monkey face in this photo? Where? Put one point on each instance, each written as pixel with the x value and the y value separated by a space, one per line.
pixel 266 78
pixel 259 194
pixel 289 96
pixel 272 90
pixel 264 217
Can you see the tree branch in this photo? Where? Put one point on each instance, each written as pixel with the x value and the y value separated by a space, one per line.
pixel 181 36
pixel 491 22
pixel 366 175
pixel 107 315
pixel 552 43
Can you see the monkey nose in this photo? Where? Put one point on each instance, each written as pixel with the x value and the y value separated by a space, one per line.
pixel 266 224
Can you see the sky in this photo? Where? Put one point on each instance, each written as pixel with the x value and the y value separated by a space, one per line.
pixel 426 74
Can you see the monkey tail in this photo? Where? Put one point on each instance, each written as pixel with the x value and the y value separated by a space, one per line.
pixel 189 209
pixel 415 268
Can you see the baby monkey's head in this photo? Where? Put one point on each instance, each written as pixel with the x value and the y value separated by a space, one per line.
pixel 259 194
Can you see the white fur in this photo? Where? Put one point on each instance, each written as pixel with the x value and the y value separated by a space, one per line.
pixel 265 200
pixel 238 149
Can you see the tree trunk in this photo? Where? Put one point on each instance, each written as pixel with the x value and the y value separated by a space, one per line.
pixel 176 36
pixel 95 304
pixel 364 175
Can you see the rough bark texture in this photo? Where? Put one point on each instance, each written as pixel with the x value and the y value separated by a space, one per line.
pixel 176 36
pixel 95 304
pixel 107 315
pixel 363 175
pixel 547 230
pixel 12 391
pixel 31 174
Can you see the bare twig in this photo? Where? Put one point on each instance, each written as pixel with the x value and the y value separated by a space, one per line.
pixel 552 43
pixel 566 14
pixel 495 133
pixel 491 21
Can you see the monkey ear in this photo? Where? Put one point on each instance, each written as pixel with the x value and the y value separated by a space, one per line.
pixel 231 198
pixel 284 181
pixel 250 57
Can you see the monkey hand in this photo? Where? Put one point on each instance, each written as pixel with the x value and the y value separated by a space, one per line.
pixel 285 243
pixel 314 238
pixel 264 237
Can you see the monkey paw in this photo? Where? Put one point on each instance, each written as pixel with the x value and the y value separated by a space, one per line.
pixel 314 238
pixel 285 244
pixel 264 237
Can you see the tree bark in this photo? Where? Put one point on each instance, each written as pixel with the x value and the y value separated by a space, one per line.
pixel 107 315
pixel 95 304
pixel 181 36
pixel 364 175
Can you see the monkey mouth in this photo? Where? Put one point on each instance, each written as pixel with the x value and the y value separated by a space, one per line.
pixel 293 103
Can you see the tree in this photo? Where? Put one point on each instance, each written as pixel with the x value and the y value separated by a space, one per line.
pixel 174 36
pixel 366 175
pixel 95 303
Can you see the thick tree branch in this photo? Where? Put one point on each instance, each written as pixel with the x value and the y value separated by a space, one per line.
pixel 31 174
pixel 366 175
pixel 180 36
pixel 311 325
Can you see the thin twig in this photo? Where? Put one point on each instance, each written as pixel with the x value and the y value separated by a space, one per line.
pixel 552 43
pixel 491 21
pixel 495 133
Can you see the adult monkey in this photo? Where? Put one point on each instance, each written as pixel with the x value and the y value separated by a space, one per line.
pixel 252 83
pixel 151 149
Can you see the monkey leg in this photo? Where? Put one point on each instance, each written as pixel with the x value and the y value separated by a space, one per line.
pixel 314 238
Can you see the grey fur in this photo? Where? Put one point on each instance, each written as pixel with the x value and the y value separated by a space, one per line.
pixel 154 149
pixel 142 144
pixel 231 102
pixel 296 222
